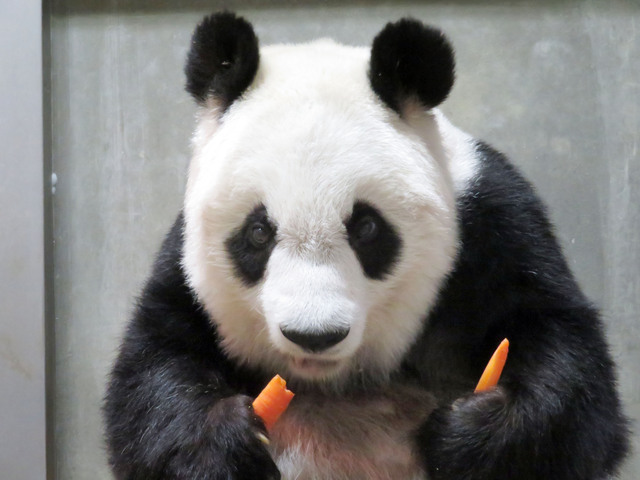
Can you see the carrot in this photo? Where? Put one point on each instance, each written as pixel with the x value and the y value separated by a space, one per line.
pixel 491 374
pixel 272 401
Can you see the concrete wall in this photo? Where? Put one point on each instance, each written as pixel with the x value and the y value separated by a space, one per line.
pixel 553 84
pixel 22 244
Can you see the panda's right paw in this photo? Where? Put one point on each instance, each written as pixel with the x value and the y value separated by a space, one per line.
pixel 231 447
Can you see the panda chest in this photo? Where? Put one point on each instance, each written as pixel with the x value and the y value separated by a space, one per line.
pixel 360 437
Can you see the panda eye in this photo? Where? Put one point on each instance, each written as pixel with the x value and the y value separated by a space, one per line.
pixel 366 229
pixel 373 239
pixel 260 234
pixel 249 246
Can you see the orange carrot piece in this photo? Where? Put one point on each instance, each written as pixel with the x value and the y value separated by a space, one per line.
pixel 272 401
pixel 493 370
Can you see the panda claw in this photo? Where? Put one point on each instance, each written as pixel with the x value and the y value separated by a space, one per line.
pixel 263 438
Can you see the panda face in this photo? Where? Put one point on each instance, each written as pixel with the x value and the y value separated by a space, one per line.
pixel 320 224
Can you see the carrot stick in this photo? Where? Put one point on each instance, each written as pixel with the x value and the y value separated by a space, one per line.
pixel 272 401
pixel 493 370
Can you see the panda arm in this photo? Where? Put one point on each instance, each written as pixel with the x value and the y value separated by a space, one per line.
pixel 175 408
pixel 556 413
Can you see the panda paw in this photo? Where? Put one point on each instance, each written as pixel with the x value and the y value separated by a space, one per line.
pixel 461 440
pixel 233 447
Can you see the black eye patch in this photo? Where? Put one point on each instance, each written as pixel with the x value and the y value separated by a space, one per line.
pixel 373 239
pixel 250 246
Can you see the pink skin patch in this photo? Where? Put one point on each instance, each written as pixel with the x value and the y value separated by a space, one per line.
pixel 352 437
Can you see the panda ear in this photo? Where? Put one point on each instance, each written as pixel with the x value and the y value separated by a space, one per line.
pixel 223 59
pixel 411 62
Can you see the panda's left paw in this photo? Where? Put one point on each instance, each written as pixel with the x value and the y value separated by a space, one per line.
pixel 458 440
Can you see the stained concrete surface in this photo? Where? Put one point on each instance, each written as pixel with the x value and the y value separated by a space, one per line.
pixel 555 85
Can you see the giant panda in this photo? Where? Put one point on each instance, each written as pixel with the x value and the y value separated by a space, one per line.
pixel 338 230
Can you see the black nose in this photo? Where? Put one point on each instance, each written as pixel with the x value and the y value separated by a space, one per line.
pixel 315 341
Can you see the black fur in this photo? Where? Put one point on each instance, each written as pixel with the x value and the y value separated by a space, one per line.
pixel 223 58
pixel 556 415
pixel 411 61
pixel 175 406
pixel 250 260
pixel 376 255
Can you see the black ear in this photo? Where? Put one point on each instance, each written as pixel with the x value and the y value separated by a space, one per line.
pixel 223 58
pixel 411 61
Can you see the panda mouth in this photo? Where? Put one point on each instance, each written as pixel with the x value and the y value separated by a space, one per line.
pixel 313 367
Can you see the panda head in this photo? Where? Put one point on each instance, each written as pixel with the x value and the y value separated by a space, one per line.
pixel 320 206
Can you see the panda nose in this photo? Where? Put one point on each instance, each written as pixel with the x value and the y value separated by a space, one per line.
pixel 315 341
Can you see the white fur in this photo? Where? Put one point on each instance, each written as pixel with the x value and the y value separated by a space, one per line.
pixel 309 139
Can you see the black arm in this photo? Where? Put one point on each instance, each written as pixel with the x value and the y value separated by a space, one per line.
pixel 175 408
pixel 556 414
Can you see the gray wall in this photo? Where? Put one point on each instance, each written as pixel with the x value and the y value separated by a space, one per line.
pixel 556 85
pixel 22 285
